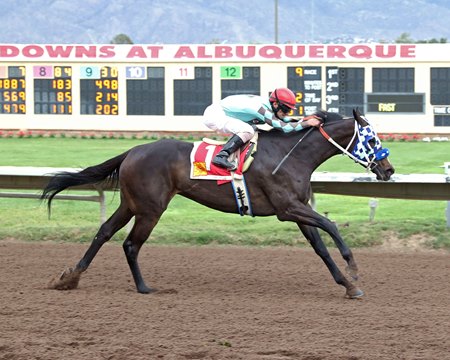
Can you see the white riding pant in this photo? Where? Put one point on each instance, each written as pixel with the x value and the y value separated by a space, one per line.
pixel 215 119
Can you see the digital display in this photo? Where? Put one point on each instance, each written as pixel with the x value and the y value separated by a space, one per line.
pixel 344 89
pixel 441 120
pixel 393 80
pixel 12 90
pixel 145 90
pixel 332 89
pixel 440 86
pixel 52 89
pixel 306 83
pixel 240 80
pixel 192 95
pixel 396 103
pixel 99 90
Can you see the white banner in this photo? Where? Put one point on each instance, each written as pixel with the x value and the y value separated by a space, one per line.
pixel 226 52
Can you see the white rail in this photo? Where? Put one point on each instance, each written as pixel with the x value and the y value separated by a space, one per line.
pixel 410 186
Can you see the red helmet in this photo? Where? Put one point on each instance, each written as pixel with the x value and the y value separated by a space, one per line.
pixel 283 96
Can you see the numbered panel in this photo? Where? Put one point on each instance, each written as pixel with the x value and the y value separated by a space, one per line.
pixel 191 97
pixel 99 90
pixel 185 72
pixel 145 90
pixel 12 90
pixel 52 89
pixel 306 83
pixel 344 89
pixel 332 89
pixel 240 80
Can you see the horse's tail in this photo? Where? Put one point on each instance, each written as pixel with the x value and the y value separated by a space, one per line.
pixel 108 170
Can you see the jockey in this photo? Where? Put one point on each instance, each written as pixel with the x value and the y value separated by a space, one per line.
pixel 237 113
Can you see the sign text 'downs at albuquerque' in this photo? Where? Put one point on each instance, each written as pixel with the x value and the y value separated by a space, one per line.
pixel 243 53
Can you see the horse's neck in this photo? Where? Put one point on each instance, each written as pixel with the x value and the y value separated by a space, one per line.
pixel 345 133
pixel 301 148
pixel 311 148
pixel 341 132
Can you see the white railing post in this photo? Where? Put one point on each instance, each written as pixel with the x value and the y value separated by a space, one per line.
pixel 447 172
pixel 373 204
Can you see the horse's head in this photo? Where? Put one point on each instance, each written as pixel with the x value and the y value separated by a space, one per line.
pixel 368 149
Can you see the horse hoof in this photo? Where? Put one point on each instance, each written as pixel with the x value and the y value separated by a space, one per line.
pixel 68 280
pixel 146 290
pixel 355 293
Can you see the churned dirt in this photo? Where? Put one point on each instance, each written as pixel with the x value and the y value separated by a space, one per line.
pixel 222 303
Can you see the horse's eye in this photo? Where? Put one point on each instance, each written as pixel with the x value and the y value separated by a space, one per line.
pixel 372 142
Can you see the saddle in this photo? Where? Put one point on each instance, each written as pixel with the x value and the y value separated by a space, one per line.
pixel 205 150
pixel 202 168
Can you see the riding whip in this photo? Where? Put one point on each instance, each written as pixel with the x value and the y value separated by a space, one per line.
pixel 290 151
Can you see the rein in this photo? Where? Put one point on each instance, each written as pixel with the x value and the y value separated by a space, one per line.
pixel 290 151
pixel 366 164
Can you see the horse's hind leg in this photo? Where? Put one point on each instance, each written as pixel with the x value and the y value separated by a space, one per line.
pixel 69 278
pixel 313 236
pixel 140 232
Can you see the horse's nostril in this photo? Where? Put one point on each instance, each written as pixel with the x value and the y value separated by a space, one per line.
pixel 390 172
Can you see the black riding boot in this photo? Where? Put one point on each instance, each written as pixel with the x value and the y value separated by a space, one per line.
pixel 221 159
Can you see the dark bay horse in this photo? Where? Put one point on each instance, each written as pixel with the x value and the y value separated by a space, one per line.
pixel 150 175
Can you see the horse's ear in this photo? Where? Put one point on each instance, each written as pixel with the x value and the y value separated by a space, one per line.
pixel 359 119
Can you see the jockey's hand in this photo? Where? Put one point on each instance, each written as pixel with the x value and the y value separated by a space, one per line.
pixel 311 120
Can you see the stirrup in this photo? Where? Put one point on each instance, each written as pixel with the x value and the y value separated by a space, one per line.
pixel 222 162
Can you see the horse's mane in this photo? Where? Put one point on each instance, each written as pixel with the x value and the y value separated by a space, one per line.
pixel 329 116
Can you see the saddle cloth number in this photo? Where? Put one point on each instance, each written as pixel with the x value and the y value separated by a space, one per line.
pixel 201 163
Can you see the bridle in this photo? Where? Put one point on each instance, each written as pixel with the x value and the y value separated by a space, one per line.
pixel 361 153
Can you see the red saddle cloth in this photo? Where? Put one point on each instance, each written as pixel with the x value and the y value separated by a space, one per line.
pixel 202 167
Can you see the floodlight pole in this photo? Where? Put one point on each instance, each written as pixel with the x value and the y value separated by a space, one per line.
pixel 276 21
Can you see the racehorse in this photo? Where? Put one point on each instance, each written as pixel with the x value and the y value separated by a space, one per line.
pixel 150 175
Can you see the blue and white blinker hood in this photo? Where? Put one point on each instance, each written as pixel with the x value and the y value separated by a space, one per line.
pixel 368 147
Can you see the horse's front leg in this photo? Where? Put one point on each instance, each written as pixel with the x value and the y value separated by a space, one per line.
pixel 313 237
pixel 308 220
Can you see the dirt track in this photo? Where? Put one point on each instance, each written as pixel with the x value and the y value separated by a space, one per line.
pixel 222 303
